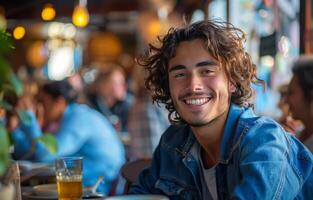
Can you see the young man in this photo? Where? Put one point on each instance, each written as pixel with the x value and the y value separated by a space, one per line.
pixel 300 97
pixel 218 149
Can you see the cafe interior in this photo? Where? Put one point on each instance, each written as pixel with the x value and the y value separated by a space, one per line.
pixel 93 45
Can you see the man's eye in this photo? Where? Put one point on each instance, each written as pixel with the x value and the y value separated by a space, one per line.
pixel 207 72
pixel 180 75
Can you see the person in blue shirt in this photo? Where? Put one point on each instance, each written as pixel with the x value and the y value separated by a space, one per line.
pixel 81 131
pixel 217 148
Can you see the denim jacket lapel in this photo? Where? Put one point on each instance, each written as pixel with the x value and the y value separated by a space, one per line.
pixel 188 159
pixel 232 132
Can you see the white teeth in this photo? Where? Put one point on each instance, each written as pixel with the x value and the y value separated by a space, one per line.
pixel 197 101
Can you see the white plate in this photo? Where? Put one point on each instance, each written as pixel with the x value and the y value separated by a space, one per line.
pixel 138 197
pixel 46 190
pixel 31 195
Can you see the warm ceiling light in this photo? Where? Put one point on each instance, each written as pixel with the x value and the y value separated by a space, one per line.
pixel 80 16
pixel 19 32
pixel 48 12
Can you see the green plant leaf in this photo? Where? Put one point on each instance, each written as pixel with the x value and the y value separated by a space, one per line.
pixel 16 84
pixel 5 42
pixel 4 150
pixel 5 70
pixel 5 105
pixel 50 142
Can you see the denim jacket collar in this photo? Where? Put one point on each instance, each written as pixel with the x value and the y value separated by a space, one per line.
pixel 228 140
pixel 185 147
pixel 230 137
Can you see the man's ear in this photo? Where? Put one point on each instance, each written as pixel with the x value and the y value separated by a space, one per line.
pixel 232 87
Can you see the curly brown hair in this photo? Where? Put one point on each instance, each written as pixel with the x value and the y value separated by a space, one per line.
pixel 224 42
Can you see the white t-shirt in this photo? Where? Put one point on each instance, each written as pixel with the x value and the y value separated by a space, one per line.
pixel 207 176
pixel 210 179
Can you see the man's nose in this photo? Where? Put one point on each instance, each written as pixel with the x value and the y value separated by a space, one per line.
pixel 195 83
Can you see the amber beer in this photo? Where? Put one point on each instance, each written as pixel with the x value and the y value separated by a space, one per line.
pixel 69 178
pixel 69 189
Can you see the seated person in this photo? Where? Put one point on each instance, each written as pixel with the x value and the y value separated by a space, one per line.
pixel 81 131
pixel 286 120
pixel 109 96
pixel 146 121
pixel 300 97
pixel 218 149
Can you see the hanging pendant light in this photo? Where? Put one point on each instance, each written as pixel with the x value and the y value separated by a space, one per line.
pixel 19 32
pixel 80 16
pixel 48 12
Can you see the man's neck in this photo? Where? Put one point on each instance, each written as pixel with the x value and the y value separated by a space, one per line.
pixel 209 137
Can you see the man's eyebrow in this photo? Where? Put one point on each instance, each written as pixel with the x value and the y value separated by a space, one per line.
pixel 206 63
pixel 200 64
pixel 177 67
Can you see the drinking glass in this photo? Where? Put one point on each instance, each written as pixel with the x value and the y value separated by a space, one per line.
pixel 69 177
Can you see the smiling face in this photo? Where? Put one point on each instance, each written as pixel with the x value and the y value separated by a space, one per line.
pixel 199 87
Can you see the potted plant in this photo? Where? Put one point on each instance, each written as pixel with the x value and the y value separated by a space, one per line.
pixel 10 84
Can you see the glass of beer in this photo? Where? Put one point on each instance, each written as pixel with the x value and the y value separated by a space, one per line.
pixel 69 177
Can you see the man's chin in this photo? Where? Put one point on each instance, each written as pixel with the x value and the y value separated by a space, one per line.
pixel 198 123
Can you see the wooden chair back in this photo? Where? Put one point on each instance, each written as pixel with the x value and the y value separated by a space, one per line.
pixel 131 170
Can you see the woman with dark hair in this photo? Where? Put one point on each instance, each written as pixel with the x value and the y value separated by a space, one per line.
pixel 300 97
pixel 81 131
pixel 218 149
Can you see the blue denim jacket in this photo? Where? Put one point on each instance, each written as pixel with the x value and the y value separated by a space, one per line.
pixel 258 160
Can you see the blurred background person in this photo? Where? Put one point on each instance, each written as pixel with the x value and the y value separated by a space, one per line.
pixel 78 84
pixel 146 121
pixel 300 97
pixel 109 96
pixel 287 121
pixel 81 131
